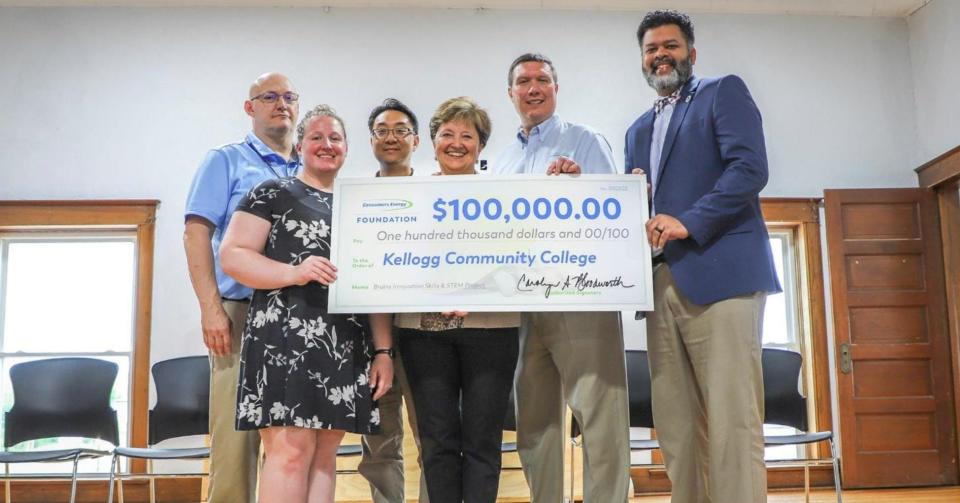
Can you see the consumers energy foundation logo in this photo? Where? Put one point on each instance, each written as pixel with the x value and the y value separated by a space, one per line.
pixel 379 211
pixel 387 204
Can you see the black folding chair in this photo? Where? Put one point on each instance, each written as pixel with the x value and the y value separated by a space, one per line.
pixel 784 405
pixel 182 409
pixel 59 397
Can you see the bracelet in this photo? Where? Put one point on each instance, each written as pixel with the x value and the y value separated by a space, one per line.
pixel 385 351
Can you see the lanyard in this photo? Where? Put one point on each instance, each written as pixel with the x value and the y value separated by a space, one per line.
pixel 286 166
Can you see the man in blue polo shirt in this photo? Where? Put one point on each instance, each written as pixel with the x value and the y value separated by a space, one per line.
pixel 224 177
pixel 572 357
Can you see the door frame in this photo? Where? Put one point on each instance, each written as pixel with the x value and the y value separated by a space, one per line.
pixel 942 175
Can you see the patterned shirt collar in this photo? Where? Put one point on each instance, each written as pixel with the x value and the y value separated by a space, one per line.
pixel 663 101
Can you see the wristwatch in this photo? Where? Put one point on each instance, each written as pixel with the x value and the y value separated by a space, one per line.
pixel 385 351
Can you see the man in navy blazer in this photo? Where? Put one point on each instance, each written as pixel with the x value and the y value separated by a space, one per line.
pixel 702 145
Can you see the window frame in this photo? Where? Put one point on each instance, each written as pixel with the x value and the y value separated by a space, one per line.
pixel 137 215
pixel 801 216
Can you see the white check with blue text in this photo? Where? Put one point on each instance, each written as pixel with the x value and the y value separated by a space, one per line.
pixel 490 243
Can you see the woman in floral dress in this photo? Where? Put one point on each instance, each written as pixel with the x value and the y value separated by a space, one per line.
pixel 306 376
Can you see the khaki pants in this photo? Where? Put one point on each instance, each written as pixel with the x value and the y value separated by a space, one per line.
pixel 382 462
pixel 233 454
pixel 708 394
pixel 576 357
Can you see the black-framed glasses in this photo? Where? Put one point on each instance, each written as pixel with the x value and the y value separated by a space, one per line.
pixel 399 132
pixel 272 97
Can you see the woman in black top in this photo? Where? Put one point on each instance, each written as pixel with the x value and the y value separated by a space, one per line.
pixel 306 376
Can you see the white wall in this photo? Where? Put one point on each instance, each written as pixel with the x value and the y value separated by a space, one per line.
pixel 934 39
pixel 123 103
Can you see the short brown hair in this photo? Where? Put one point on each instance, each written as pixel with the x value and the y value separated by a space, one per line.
pixel 531 57
pixel 465 109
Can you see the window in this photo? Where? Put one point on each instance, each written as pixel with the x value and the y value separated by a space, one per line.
pixel 50 307
pixel 76 280
pixel 795 319
pixel 780 328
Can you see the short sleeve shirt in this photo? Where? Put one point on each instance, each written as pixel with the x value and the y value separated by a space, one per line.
pixel 224 177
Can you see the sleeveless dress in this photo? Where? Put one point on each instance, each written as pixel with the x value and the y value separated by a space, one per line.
pixel 299 365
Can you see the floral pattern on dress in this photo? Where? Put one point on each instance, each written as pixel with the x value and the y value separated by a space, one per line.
pixel 300 365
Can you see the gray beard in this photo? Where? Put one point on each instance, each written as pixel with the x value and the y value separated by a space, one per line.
pixel 666 84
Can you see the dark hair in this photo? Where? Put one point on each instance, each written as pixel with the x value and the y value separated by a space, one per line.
pixel 394 104
pixel 658 18
pixel 534 57
pixel 462 109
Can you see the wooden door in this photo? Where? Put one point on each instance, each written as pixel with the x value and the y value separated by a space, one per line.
pixel 893 359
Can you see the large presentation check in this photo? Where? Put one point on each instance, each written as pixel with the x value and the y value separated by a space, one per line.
pixel 488 243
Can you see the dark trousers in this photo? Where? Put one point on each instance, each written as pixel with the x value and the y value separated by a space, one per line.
pixel 461 381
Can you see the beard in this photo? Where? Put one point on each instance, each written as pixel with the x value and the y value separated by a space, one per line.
pixel 665 84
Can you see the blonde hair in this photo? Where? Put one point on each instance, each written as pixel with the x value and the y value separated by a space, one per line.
pixel 318 111
pixel 465 109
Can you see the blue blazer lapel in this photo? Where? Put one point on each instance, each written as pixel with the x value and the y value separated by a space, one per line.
pixel 679 112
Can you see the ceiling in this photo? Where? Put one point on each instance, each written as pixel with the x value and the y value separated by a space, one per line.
pixel 863 8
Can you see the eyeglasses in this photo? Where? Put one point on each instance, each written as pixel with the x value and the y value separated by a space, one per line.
pixel 272 97
pixel 399 132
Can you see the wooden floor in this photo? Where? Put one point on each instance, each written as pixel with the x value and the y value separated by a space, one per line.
pixel 353 488
pixel 924 495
